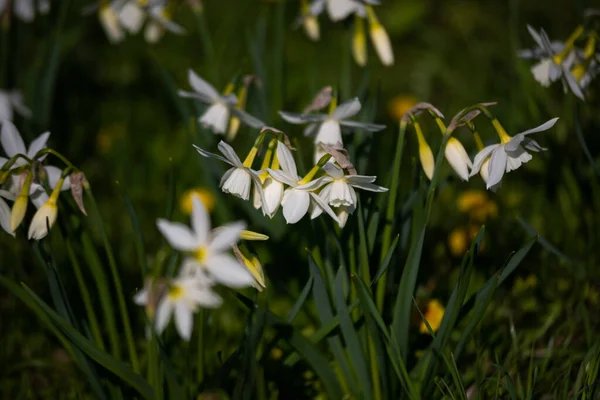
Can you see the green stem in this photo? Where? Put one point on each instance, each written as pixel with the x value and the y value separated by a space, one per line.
pixel 96 268
pixel 56 154
pixel 581 139
pixel 117 282
pixel 200 356
pixel 154 366
pixel 85 295
pixel 390 213
pixel 209 52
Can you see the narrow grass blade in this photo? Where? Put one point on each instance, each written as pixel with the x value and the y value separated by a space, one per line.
pixel 120 369
pixel 385 263
pixel 137 231
pixel 301 300
pixel 305 348
pixel 351 338
pixel 325 312
pixel 79 358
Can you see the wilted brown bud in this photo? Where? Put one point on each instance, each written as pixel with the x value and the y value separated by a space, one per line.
pixel 78 182
pixel 321 100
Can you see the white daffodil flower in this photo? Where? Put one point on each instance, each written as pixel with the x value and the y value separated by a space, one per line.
pixel 133 14
pixel 508 155
pixel 296 201
pixel 238 179
pixel 554 65
pixel 338 190
pixel 328 127
pixel 11 102
pixel 24 9
pixel 272 191
pixel 184 295
pixel 458 158
pixel 208 250
pixel 216 116
pixel 13 144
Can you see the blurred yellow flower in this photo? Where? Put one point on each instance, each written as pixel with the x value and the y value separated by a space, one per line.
pixel 521 285
pixel 477 204
pixel 205 196
pixel 434 315
pixel 276 353
pixel 108 135
pixel 399 105
pixel 458 242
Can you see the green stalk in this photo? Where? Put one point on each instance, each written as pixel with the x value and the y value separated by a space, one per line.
pixel 390 214
pixel 85 295
pixel 153 365
pixel 105 298
pixel 401 318
pixel 207 45
pixel 200 355
pixel 117 282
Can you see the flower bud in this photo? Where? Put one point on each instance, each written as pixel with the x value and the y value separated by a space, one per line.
pixel 359 42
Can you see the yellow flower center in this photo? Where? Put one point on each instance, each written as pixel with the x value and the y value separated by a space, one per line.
pixel 175 292
pixel 201 253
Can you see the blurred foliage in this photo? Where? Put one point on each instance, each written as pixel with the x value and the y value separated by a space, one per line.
pixel 112 110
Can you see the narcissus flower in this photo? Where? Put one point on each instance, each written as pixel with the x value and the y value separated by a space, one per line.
pixel 208 250
pixel 458 158
pixel 555 64
pixel 296 200
pixel 338 190
pixel 328 127
pixel 184 295
pixel 380 39
pixel 509 154
pixel 239 179
pixel 13 144
pixel 216 116
pixel 46 215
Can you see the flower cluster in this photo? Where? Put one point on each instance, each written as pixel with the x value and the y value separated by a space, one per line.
pixel 575 66
pixel 492 161
pixel 119 17
pixel 208 262
pixel 26 179
pixel 328 187
pixel 339 10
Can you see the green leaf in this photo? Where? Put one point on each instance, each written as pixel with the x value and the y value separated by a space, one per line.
pixel 351 338
pixel 304 347
pixel 325 312
pixel 369 308
pixel 120 369
pixel 300 302
pixel 77 355
pixel 385 263
pixel 137 231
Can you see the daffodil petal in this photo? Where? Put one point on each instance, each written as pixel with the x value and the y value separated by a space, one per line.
pixel 179 236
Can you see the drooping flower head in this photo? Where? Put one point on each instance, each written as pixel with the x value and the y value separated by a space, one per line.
pixel 509 154
pixel 220 107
